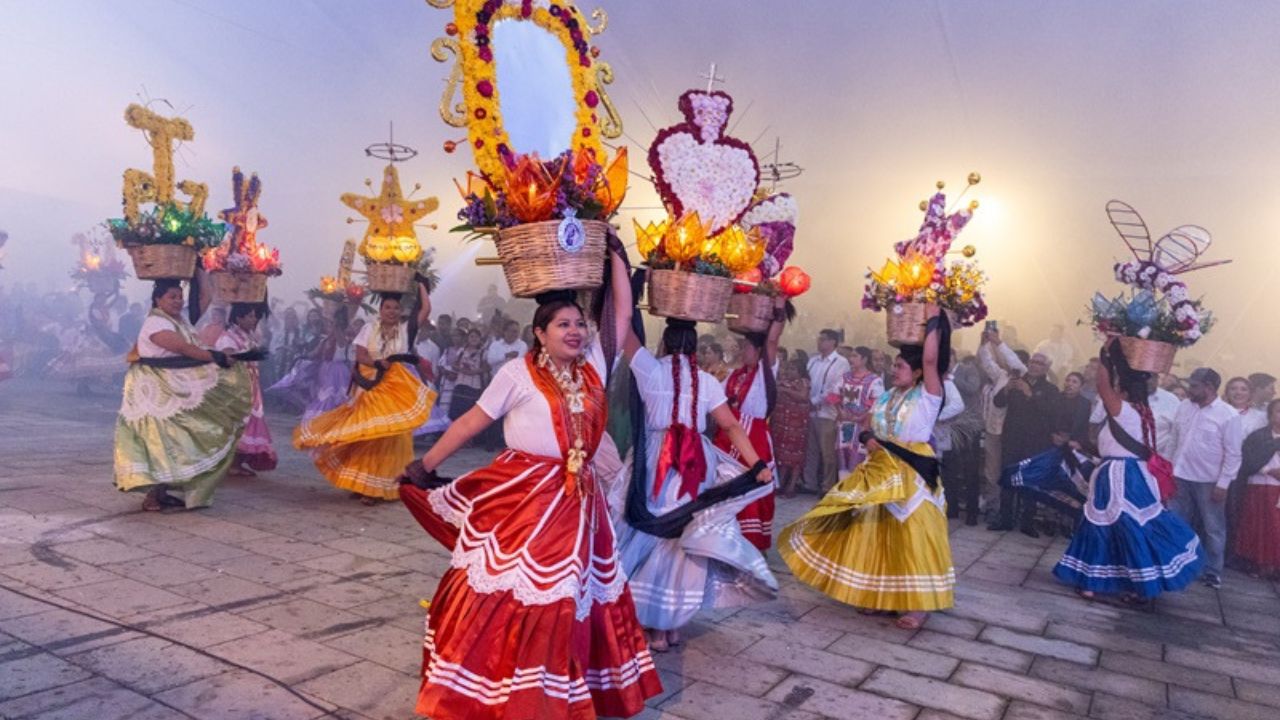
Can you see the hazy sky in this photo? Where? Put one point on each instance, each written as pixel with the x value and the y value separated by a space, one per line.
pixel 1170 106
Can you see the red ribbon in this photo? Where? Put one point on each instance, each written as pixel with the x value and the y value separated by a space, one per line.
pixel 682 445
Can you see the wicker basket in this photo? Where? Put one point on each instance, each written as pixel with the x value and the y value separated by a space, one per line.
pixel 689 296
pixel 534 262
pixel 905 323
pixel 749 313
pixel 389 277
pixel 163 262
pixel 1150 356
pixel 239 287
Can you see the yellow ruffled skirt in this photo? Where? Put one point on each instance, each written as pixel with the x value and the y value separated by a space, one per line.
pixel 877 540
pixel 363 445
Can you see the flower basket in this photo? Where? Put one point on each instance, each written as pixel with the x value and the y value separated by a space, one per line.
pixel 389 277
pixel 239 287
pixel 904 323
pixel 1150 356
pixel 749 313
pixel 534 261
pixel 163 262
pixel 689 296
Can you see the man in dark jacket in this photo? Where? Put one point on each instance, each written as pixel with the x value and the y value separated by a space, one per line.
pixel 1032 416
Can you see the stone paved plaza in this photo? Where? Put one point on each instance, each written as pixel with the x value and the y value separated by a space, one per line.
pixel 295 581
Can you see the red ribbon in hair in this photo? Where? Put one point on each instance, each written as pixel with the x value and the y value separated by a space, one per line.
pixel 682 445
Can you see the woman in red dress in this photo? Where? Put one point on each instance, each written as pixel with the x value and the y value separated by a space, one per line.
pixel 752 392
pixel 789 424
pixel 533 619
pixel 1257 544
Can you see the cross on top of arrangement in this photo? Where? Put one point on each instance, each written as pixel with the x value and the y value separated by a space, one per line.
pixel 712 78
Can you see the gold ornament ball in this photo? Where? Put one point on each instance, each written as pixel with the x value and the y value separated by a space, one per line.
pixel 924 205
pixel 941 184
pixel 975 178
pixel 973 205
pixel 969 251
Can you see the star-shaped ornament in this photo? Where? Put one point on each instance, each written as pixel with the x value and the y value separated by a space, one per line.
pixel 389 213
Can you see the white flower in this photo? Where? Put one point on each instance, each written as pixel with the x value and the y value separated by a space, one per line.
pixel 1177 293
pixel 1144 332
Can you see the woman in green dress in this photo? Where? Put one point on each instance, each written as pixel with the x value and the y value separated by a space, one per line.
pixel 183 410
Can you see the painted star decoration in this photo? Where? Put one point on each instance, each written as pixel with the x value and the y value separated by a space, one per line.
pixel 389 214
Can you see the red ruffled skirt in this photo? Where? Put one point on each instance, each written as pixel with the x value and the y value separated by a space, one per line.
pixel 756 519
pixel 533 620
pixel 1258 541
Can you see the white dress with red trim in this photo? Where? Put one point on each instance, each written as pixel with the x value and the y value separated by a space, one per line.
pixel 533 619
pixel 711 564
pixel 745 390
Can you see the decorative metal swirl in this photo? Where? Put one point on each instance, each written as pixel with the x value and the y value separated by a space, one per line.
pixel 611 122
pixel 453 115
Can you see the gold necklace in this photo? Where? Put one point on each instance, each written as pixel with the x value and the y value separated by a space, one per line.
pixel 571 384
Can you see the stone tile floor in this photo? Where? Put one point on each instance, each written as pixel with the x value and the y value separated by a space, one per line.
pixel 310 590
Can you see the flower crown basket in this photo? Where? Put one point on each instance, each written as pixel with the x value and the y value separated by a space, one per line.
pixel 389 277
pixel 1150 356
pixel 239 287
pixel 749 313
pixel 163 262
pixel 534 260
pixel 689 296
pixel 905 323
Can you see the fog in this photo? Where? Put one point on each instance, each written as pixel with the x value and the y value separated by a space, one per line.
pixel 1170 106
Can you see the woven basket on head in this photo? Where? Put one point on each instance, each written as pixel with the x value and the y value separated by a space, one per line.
pixel 1150 356
pixel 689 296
pixel 534 262
pixel 389 277
pixel 749 313
pixel 163 262
pixel 239 287
pixel 904 323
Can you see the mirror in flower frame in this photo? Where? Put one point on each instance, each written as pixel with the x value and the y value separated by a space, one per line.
pixel 529 77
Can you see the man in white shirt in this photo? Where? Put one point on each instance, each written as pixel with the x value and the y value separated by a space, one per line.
pixel 1059 351
pixel 506 348
pixel 1200 465
pixel 999 363
pixel 826 370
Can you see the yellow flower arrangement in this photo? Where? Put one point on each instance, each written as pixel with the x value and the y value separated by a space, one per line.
pixel 485 128
pixel 139 187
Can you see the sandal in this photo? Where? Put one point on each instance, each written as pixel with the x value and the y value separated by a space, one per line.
pixel 673 638
pixel 368 501
pixel 1086 594
pixel 912 620
pixel 151 504
pixel 169 501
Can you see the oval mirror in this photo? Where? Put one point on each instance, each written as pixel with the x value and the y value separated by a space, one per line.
pixel 535 91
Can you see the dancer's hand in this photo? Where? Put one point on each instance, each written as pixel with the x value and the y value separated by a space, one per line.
pixel 872 446
pixel 765 476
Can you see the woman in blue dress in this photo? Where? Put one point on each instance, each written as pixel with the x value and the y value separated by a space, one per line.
pixel 1127 543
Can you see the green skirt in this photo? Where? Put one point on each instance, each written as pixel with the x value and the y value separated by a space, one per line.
pixel 180 428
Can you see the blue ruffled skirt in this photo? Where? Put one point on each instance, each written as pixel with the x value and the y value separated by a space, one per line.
pixel 1127 542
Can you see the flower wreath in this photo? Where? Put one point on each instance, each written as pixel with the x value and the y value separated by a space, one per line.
pixel 1146 275
pixel 474 23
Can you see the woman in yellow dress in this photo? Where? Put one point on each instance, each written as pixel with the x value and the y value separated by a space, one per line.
pixel 363 445
pixel 878 540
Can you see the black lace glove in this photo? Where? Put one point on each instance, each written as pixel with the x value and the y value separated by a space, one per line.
pixel 416 475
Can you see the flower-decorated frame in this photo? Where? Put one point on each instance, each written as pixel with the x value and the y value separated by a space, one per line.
pixel 467 38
